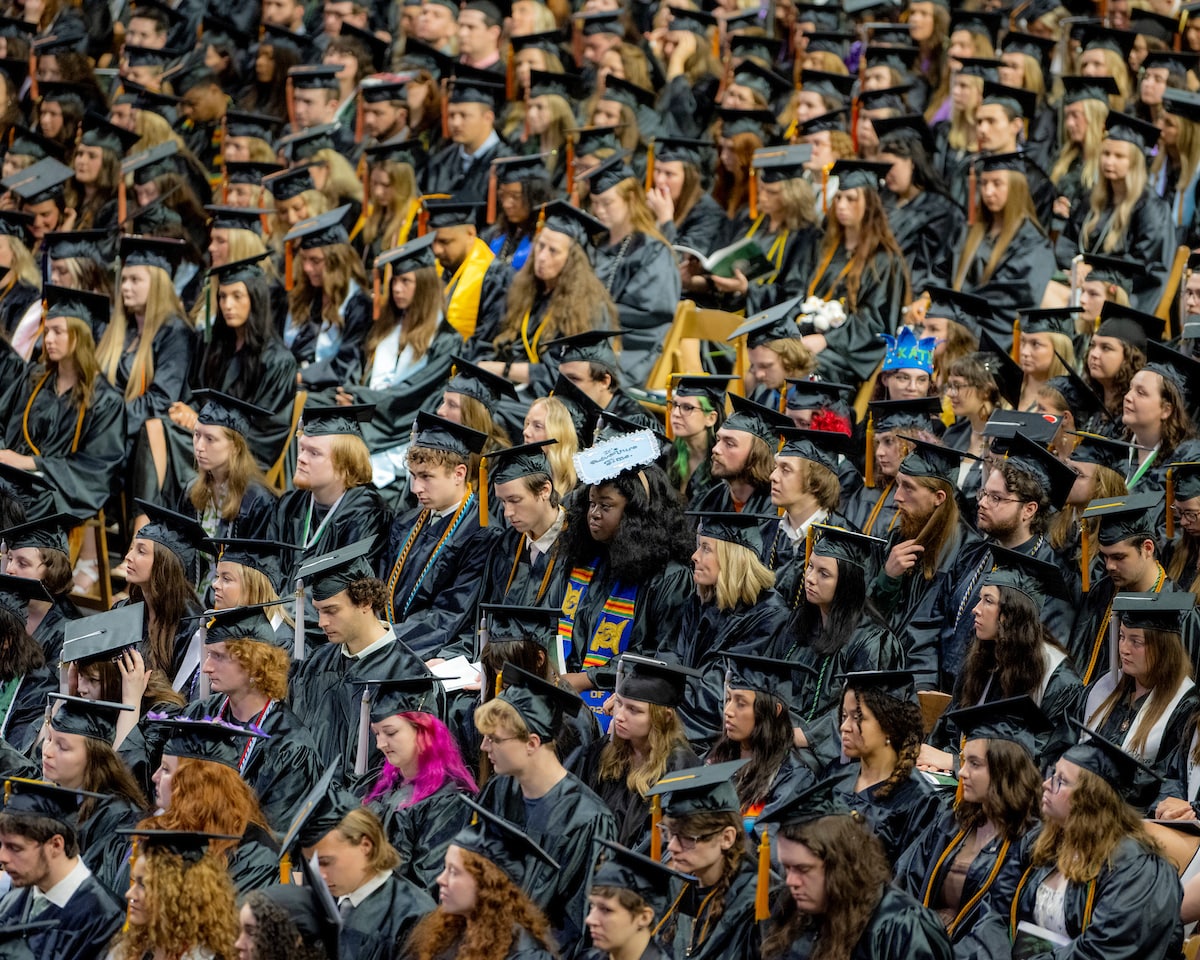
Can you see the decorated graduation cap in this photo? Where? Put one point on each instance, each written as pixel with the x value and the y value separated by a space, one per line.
pixel 1077 89
pixel 189 845
pixel 775 164
pixel 931 460
pixel 611 424
pixel 1003 425
pixel 906 351
pixel 707 789
pixel 240 623
pixel 755 419
pixel 158 252
pixel 525 460
pixel 822 447
pixel 1054 476
pixel 846 546
pixel 436 433
pixel 1038 580
pixel 652 681
pixel 503 843
pixel 289 183
pixel 209 739
pixel 859 174
pixel 104 635
pixel 219 409
pixel 1016 719
pixel 897 684
pixel 1154 611
pixel 410 257
pixel 625 869
pixel 92 308
pixel 473 381
pixel 39 798
pixel 1115 455
pixel 774 323
pixel 87 718
pixel 1133 780
pixel 45 533
pixel 331 573
pixel 1124 518
pixel 183 536
pixel 324 230
pixel 742 529
pixel 592 346
pixel 41 182
pixel 1132 326
pixel 769 676
pixel 541 704
pixel 1141 133
pixel 336 420
pixel 453 213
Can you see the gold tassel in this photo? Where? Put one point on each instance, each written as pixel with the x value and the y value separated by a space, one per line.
pixel 655 833
pixel 650 166
pixel 809 537
pixel 670 397
pixel 133 855
pixel 762 892
pixel 375 303
pixel 33 81
pixel 510 76
pixel 483 492
pixel 753 195
pixel 1170 503
pixel 122 203
pixel 716 43
pixel 1085 563
pixel 285 869
pixel 824 188
pixel 358 118
pixel 445 109
pixel 499 684
pixel 1016 340
pixel 491 196
pixel 869 460
pixel 570 168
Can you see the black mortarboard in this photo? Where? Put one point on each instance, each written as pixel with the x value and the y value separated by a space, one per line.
pixel 1120 271
pixel 823 16
pixel 1141 133
pixel 906 127
pixel 473 381
pixel 550 83
pixel 45 533
pixel 300 44
pixel 316 76
pixel 593 346
pixel 331 573
pixel 886 98
pixel 336 420
pixel 1128 776
pixel 577 224
pixel 92 308
pixel 139 56
pixel 1015 162
pixel 965 309
pixel 823 447
pixel 503 843
pixel 521 169
pixel 1049 320
pixel 775 164
pixel 30 143
pixel 1004 370
pixel 755 46
pixel 147 165
pixel 513 463
pixel 1124 518
pixel 1078 89
pixel 218 409
pixel 240 271
pixel 188 845
pixel 766 675
pixel 1155 611
pixel 183 536
pixel 600 21
pixel 774 323
pixel 612 171
pixel 986 68
pixel 240 623
pixel 1179 63
pixel 87 718
pixel 310 907
pixel 899 58
pixel 104 635
pixel 859 174
pixel 376 47
pixel 288 183
pixel 1180 368
pixel 1151 24
pixel 612 425
pixel 1132 326
pixel 190 74
pixel 16 592
pixel 235 218
pixel 243 123
pixel 399 149
pixel 1185 478
pixel 1040 48
pixel 452 213
pixel 763 81
pixel 652 681
pixel 39 798
pixel 509 622
pixel 63 41
pixel 99 132
pixel 1078 396
pixel 255 172
pixel 393 695
pixel 707 789
pixel 421 56
pixel 1054 476
pixel 683 149
pixel 318 812
pixel 582 409
pixel 711 388
pixel 827 84
pixel 897 684
pixel 305 144
pixel 435 433
pixel 551 41
pixel 1003 425
pixel 755 419
pixel 624 869
pixel 919 413
pixel 1023 103
pixel 743 529
pixel 847 546
pixel 151 252
pixel 833 120
pixel 931 460
pixel 1038 580
pixel 541 704
pixel 265 556
pixel 38 183
pixel 410 257
pixel 822 799
pixel 692 21
pixel 830 41
pixel 207 739
pixel 13 28
pixel 759 123
pixel 1116 455
pixel 1016 719
pixel 1104 38
pixel 474 89
pixel 325 230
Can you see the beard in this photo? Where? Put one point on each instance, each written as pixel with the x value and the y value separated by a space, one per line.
pixel 912 524
pixel 998 530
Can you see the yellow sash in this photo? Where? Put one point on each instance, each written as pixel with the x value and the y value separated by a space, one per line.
pixel 466 287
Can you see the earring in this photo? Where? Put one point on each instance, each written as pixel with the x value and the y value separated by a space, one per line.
pixel 887 741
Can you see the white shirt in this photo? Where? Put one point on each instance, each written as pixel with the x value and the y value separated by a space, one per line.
pixel 368 888
pixel 61 893
pixel 373 648
pixel 543 543
pixel 796 535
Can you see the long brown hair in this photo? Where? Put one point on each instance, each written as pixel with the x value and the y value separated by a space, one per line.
pixel 168 596
pixel 387 220
pixel 937 530
pixel 105 772
pixel 242 471
pixel 1017 210
pixel 83 353
pixel 705 824
pixel 342 266
pixel 731 189
pixel 418 322
pixel 1013 800
pixel 666 735
pixel 874 236
pixel 1013 660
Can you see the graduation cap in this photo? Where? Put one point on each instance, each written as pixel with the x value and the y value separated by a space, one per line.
pixel 509 622
pixel 1078 396
pixel 383 698
pixel 775 164
pixel 652 681
pixel 240 623
pixel 310 907
pixel 306 144
pixel 64 41
pixel 241 271
pixel 625 869
pixel 139 56
pixel 45 533
pixel 1016 719
pixel 412 256
pixel 17 592
pixel 755 419
pixel 965 309
pixel 1141 133
pixel 846 546
pixel 830 41
pixel 235 218
pixel 1116 455
pixel 899 58
pixel 612 425
pixel 823 16
pixel 299 44
pixel 336 420
pixel 256 172
pixel 600 22
pixel 316 76
pixel 1049 320
pixel 684 150
pixel 513 463
pixel 822 799
pixel 1104 38
pixel 1119 271
pixel 1017 100
pixel 986 68
pixel 827 84
pixel 325 230
pixel 474 89
pixel 920 413
pixel 774 323
pixel 1154 611
pixel 833 120
pixel 30 143
pixel 541 704
pixel 189 75
pixel 1124 518
pixel 84 244
pixel 1181 369
pixel 103 636
pixel 762 80
pixel 265 556
pixel 158 252
pixel 452 213
pixel 547 83
pixel 1179 63
pixel 1133 780
pixel 768 676
pixel 189 845
pixel 59 91
pixel 932 460
pixel 92 308
pixel 219 409
pixel 421 56
pixel 819 446
pixel 183 536
pixel 1157 25
pixel 692 21
pixel 375 47
pixel 1004 371
pixel 435 433
pixel 612 171
pixel 754 46
pixel 473 381
pixel 148 165
pixel 1078 89
pixel 1132 326
pixel 710 388
pixel 888 98
pixel 897 684
pixel 707 789
pixel 398 149
pixel 580 226
pixel 244 123
pixel 86 718
pixel 906 351
pixel 1003 425
pixel 758 123
pixel 582 409
pixel 550 41
pixel 40 182
pixel 743 529
pixel 909 127
pixel 39 798
pixel 99 132
pixel 331 573
pixel 1054 476
pixel 1185 479
pixel 1029 44
pixel 320 811
pixel 859 174
pixel 521 169
pixel 503 843
pixel 289 183
pixel 210 739
pixel 1038 580
pixel 592 346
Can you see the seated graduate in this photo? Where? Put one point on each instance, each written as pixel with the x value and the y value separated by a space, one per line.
pixel 487 908
pixel 684 211
pixel 554 418
pixel 39 550
pixel 378 906
pixel 630 895
pixel 834 869
pixel 249 574
pixel 478 399
pixel 25 676
pixel 646 741
pixel 775 353
pixel 972 851
pixel 288 921
pixel 197 787
pixel 834 630
pixel 743 458
pixel 67 421
pixel 531 788
pixel 476 280
pixel 1144 702
pixel 349 601
pixel 590 361
pixel 77 754
pixel 733 608
pixel 247 673
pixel 416 793
pixel 695 412
pixel 881 729
pixel 82 914
pixel 703 835
pixel 1083 869
pixel 436 555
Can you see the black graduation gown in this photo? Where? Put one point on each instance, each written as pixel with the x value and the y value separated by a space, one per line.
pixel 253 863
pixel 254 517
pixel 921 227
pixel 83 479
pixel 172 349
pixel 1019 279
pixel 718 499
pixel 102 849
pixel 792 277
pixel 898 927
pixel 1042 142
pixel 360 514
pixel 51 632
pixel 734 934
pixel 87 923
pixel 434 595
pixel 566 822
pixel 652 952
pixel 339 369
pixel 686 109
pixel 854 349
pixel 705 635
pixel 860 507
pixel 446 173
pixel 422 832
pixel 1123 716
pixel 524 947
pixel 641 275
pixel 379 926
pixel 20 725
pixel 1149 239
pixel 918 871
pixel 1134 906
pixel 701 228
pixel 13 304
pixel 184 631
pixel 321 693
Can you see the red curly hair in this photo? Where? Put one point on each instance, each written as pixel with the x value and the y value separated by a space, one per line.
pixel 267 666
pixel 211 798
pixel 500 906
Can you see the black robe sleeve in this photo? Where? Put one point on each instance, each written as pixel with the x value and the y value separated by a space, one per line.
pixel 701 228
pixel 1019 279
pixel 90 919
pixel 686 110
pixel 356 321
pixel 28 708
pixel 103 849
pixel 921 227
pixel 422 832
pixel 493 296
pixel 172 351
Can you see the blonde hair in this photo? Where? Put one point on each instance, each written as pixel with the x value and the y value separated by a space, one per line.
pixel 1188 144
pixel 741 577
pixel 162 304
pixel 962 122
pixel 561 455
pixel 1087 154
pixel 797 360
pixel 362 824
pixel 1018 209
pixel 258 589
pixel 1122 213
pixel 387 221
pixel 497 713
pixel 22 268
pixel 341 182
pixel 155 131
pixel 640 215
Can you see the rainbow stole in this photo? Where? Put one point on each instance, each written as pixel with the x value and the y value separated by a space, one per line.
pixel 609 637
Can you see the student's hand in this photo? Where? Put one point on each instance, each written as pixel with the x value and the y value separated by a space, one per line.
pixel 930 758
pixel 67 223
pixel 10 458
pixel 342 398
pixel 735 284
pixel 135 678
pixel 491 366
pixel 1174 809
pixel 1062 208
pixel 815 342
pixel 73 679
pixel 685 45
pixel 903 558
pixel 578 681
pixel 182 415
pixel 658 199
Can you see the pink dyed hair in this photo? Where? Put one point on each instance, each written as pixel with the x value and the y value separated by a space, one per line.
pixel 438 761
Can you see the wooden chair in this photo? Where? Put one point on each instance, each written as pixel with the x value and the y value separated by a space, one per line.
pixel 933 705
pixel 102 598
pixel 1163 310
pixel 1191 947
pixel 275 476
pixel 681 346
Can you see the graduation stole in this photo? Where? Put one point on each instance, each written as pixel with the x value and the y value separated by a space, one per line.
pixel 465 289
pixel 774 253
pixel 609 637
pixel 531 351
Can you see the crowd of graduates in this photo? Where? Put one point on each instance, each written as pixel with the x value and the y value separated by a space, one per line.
pixel 385 576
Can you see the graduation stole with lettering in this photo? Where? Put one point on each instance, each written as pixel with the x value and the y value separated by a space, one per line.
pixel 609 636
pixel 465 289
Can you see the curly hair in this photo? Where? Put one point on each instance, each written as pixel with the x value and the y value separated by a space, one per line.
pixel 1132 360
pixel 653 530
pixel 368 590
pixel 1014 798
pixel 618 760
pixel 1099 820
pixel 266 665
pixel 1028 489
pixel 902 724
pixel 275 935
pixel 704 824
pixel 490 929
pixel 769 744
pixel 212 798
pixel 1013 661
pixel 191 906
pixel 856 874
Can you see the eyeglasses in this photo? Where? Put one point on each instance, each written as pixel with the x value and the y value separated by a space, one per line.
pixel 685 842
pixel 687 409
pixel 953 389
pixel 1185 516
pixel 496 741
pixel 1055 781
pixel 995 498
